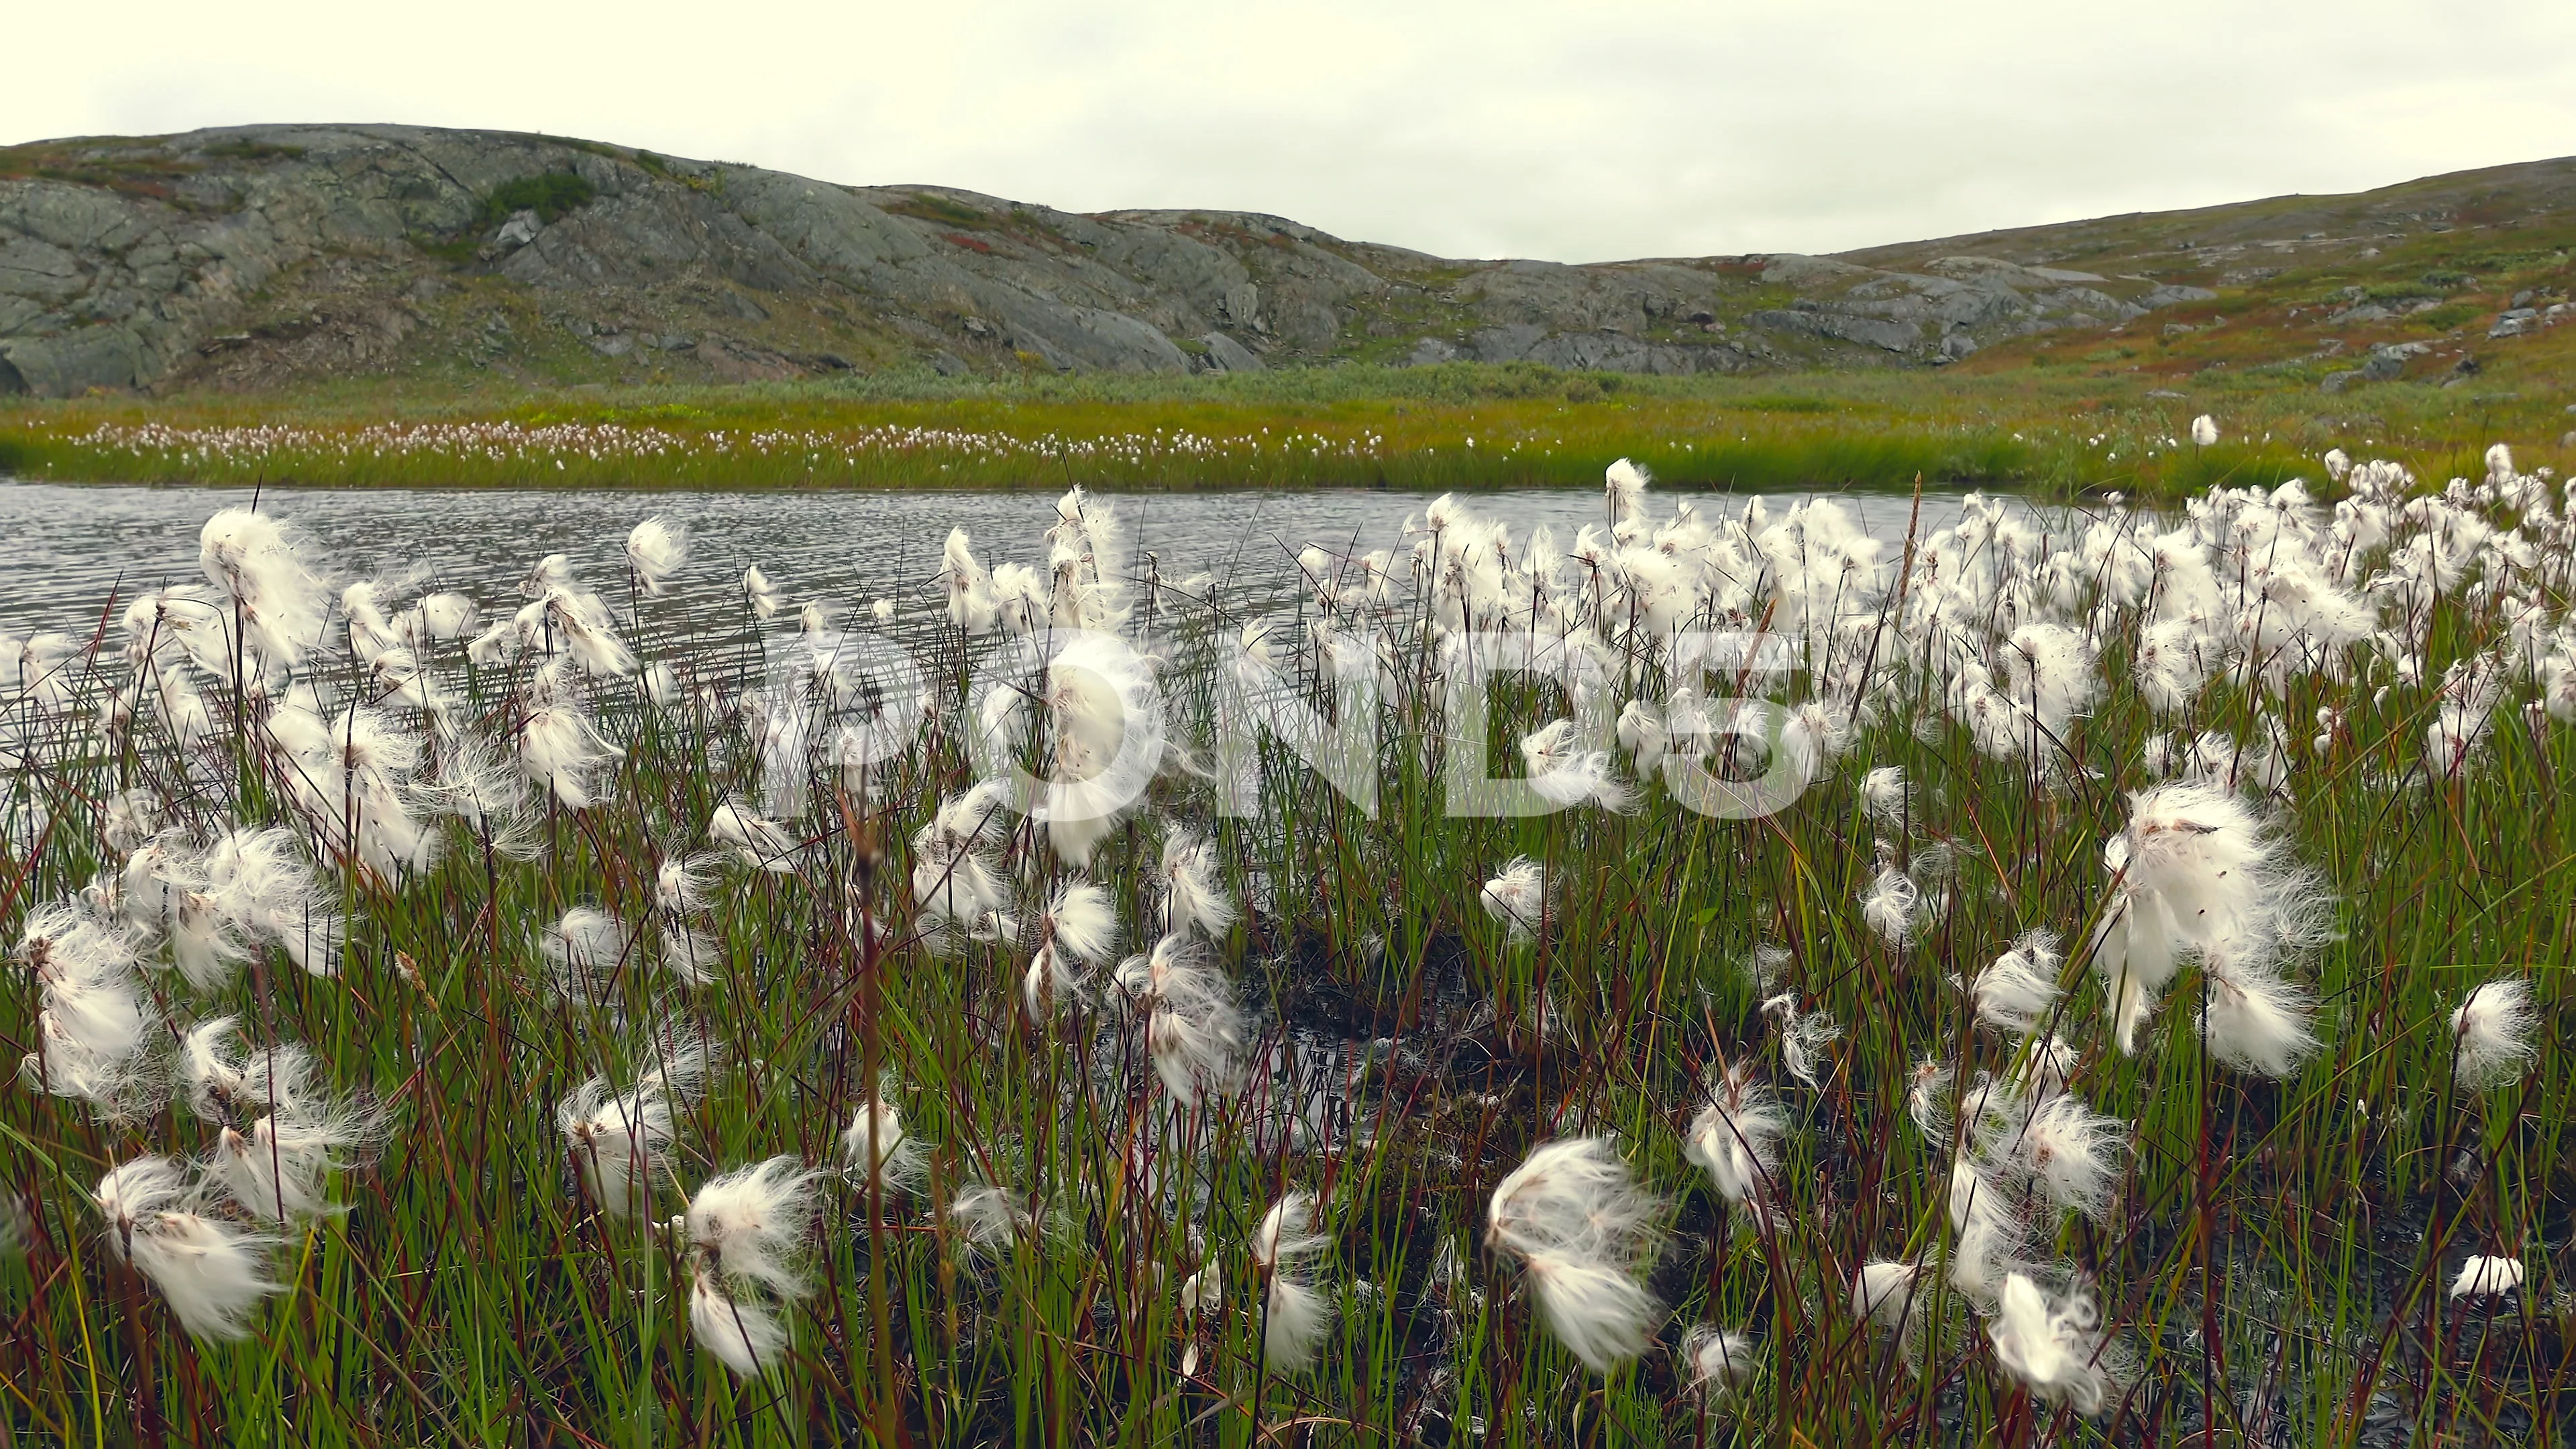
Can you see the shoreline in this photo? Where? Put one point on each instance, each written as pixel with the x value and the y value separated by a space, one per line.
pixel 1482 431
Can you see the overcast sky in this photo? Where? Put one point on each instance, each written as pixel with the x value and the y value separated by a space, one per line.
pixel 1581 132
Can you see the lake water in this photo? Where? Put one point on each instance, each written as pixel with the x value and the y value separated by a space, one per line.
pixel 63 549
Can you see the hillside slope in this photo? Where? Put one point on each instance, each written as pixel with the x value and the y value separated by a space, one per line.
pixel 266 257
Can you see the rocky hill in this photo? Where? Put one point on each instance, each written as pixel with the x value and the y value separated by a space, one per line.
pixel 253 258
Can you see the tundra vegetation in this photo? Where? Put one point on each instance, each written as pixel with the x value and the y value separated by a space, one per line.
pixel 2051 433
pixel 2054 978
pixel 415 306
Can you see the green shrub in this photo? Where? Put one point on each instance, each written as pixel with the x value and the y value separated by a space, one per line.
pixel 255 151
pixel 2443 319
pixel 927 206
pixel 551 196
pixel 2507 261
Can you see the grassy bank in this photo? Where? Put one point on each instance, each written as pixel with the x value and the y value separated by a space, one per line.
pixel 2057 430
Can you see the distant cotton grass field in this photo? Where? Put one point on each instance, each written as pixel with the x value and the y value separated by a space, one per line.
pixel 1110 452
pixel 2060 432
pixel 1718 978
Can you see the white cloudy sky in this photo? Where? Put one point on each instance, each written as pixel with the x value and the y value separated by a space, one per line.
pixel 1484 128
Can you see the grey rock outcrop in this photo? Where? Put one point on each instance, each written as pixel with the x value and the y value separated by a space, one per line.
pixel 1229 355
pixel 1953 305
pixel 256 256
pixel 2386 363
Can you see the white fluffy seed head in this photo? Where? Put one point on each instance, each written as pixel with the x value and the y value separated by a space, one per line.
pixel 1566 774
pixel 1642 735
pixel 2017 991
pixel 1988 1234
pixel 1719 1361
pixel 1891 906
pixel 1048 980
pixel 1296 1316
pixel 1600 1312
pixel 218 1077
pixel 616 1139
pixel 2483 1277
pixel 585 948
pixel 657 549
pixel 2071 1153
pixel 1582 1228
pixel 1736 1139
pixel 765 597
pixel 1804 1035
pixel 2195 873
pixel 876 1144
pixel 258 566
pixel 1623 487
pixel 1882 794
pixel 1575 1195
pixel 762 843
pixel 213 1271
pixel 1192 894
pixel 1193 1024
pixel 1927 1098
pixel 987 1218
pixel 1296 1320
pixel 1518 898
pixel 745 1334
pixel 1287 1233
pixel 753 1221
pixel 2050 1343
pixel 133 1191
pixel 1081 924
pixel 683 883
pixel 2491 1035
pixel 277 1171
pixel 1884 1292
pixel 2257 1019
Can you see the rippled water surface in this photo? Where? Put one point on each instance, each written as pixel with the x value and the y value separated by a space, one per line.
pixel 64 548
